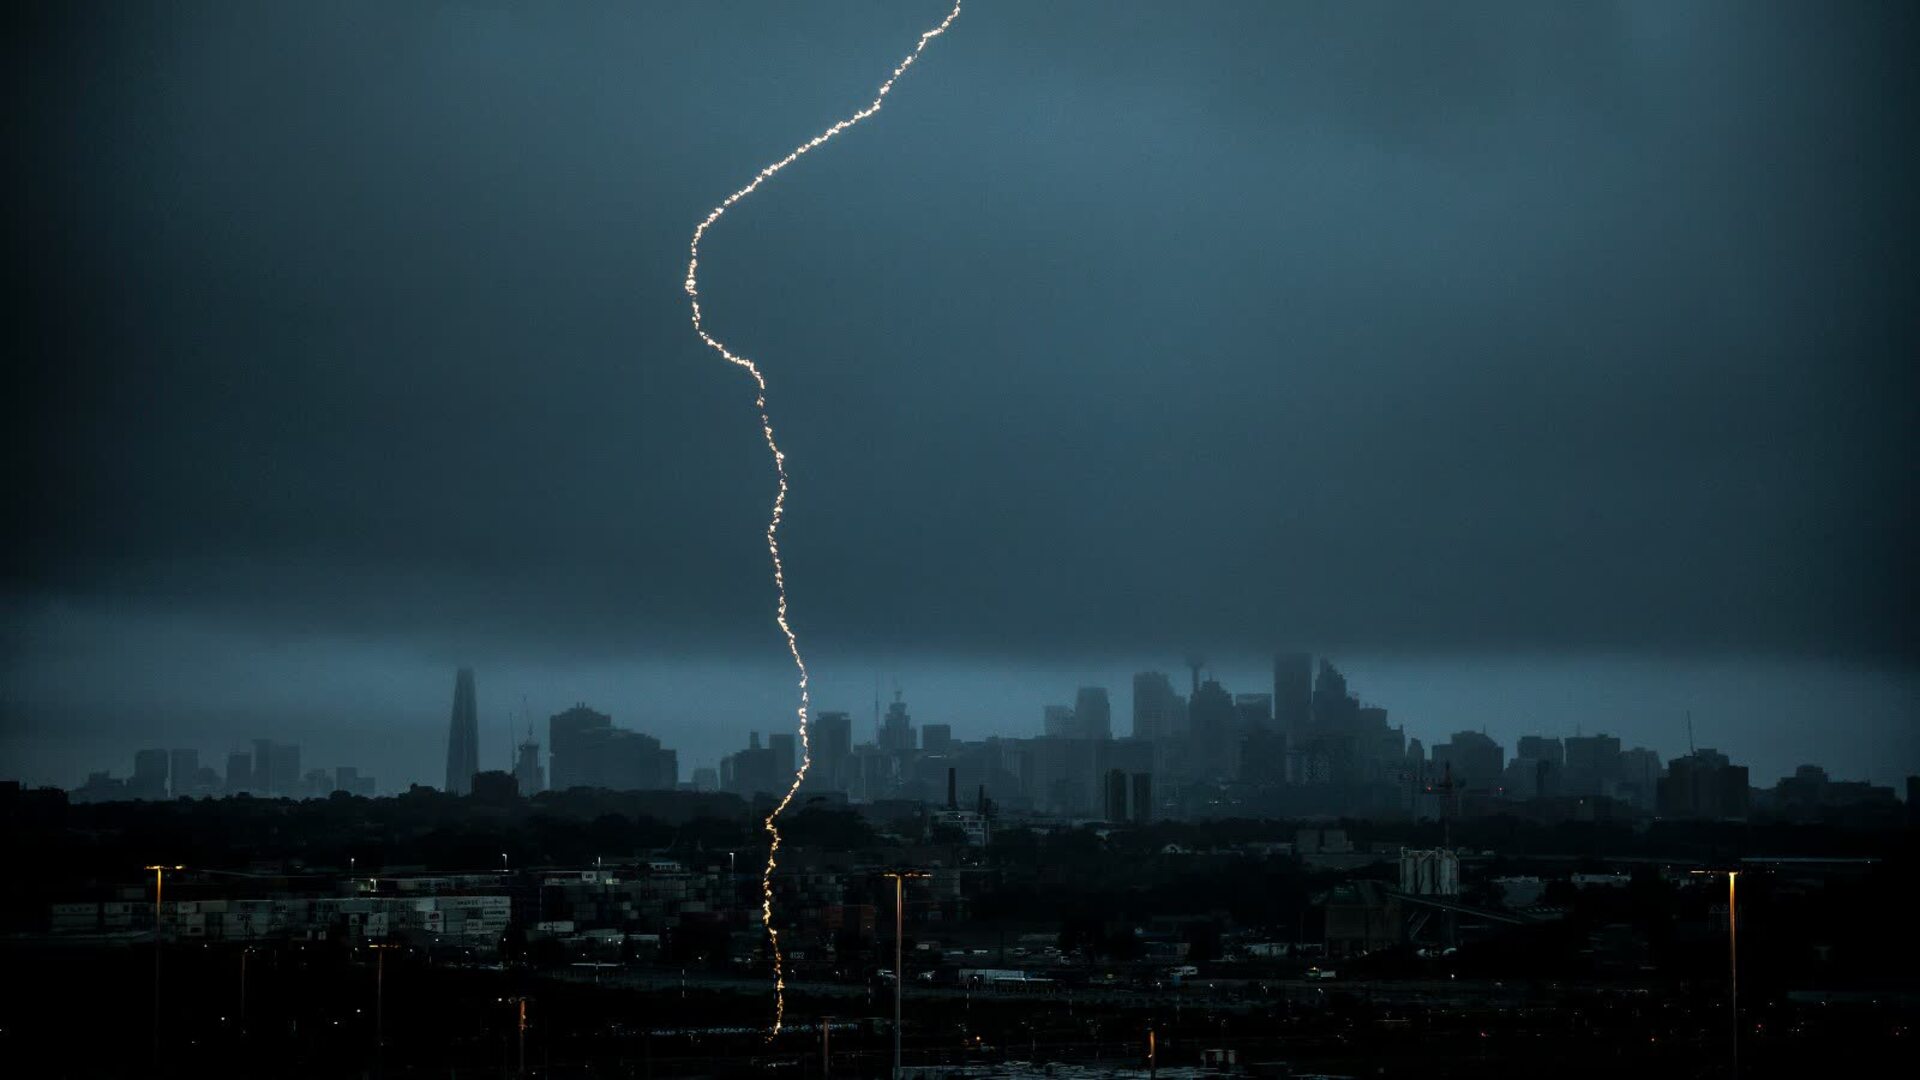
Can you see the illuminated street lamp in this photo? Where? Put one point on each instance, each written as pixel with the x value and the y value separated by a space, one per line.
pixel 521 1001
pixel 158 885
pixel 899 968
pixel 1733 962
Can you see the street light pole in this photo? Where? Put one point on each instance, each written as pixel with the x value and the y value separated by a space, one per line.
pixel 1733 969
pixel 521 1002
pixel 380 1007
pixel 243 989
pixel 159 884
pixel 1733 963
pixel 899 968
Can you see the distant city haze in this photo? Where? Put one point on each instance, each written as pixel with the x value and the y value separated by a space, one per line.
pixel 384 707
pixel 1546 366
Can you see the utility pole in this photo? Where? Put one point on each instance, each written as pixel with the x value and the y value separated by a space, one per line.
pixel 159 883
pixel 244 952
pixel 380 1008
pixel 1733 969
pixel 1733 963
pixel 521 1025
pixel 899 967
pixel 826 1047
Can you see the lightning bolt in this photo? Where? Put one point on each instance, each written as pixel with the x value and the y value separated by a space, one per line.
pixel 780 495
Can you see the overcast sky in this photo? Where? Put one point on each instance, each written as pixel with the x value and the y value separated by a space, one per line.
pixel 1554 364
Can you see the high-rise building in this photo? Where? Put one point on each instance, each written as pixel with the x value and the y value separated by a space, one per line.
pixel 1333 707
pixel 630 761
pixel 832 739
pixel 1474 760
pixel 528 776
pixel 584 749
pixel 784 746
pixel 1593 764
pixel 149 779
pixel 753 771
pixel 1093 713
pixel 896 731
pixel 286 769
pixel 1158 712
pixel 1639 780
pixel 276 768
pixel 263 781
pixel 1215 726
pixel 1057 722
pixel 463 736
pixel 1540 748
pixel 1292 690
pixel 347 778
pixel 1142 798
pixel 183 771
pixel 936 738
pixel 1116 792
pixel 1705 785
pixel 1256 711
pixel 239 772
pixel 569 762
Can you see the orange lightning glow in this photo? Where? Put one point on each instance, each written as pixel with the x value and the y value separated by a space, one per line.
pixel 780 495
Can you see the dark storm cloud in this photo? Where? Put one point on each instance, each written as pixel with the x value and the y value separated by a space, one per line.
pixel 1124 327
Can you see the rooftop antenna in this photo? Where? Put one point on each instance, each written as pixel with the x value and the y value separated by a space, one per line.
pixel 1690 750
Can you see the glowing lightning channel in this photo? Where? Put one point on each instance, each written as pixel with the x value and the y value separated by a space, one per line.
pixel 780 495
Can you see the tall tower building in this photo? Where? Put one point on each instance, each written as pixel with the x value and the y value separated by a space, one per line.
pixel 1093 712
pixel 896 731
pixel 1158 712
pixel 528 776
pixel 833 749
pixel 571 737
pixel 463 736
pixel 1292 691
pixel 183 768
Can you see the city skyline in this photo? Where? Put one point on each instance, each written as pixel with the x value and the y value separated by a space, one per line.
pixel 510 743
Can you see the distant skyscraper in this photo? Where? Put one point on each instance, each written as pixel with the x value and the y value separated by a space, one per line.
pixel 1475 760
pixel 1333 707
pixel 463 736
pixel 832 739
pixel 783 746
pixel 149 775
pixel 1142 797
pixel 1093 713
pixel 1116 795
pixel 1057 722
pixel 1215 725
pixel 239 772
pixel 936 738
pixel 569 735
pixel 1256 711
pixel 896 731
pixel 1540 748
pixel 1292 690
pixel 528 776
pixel 286 769
pixel 183 769
pixel 1158 712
